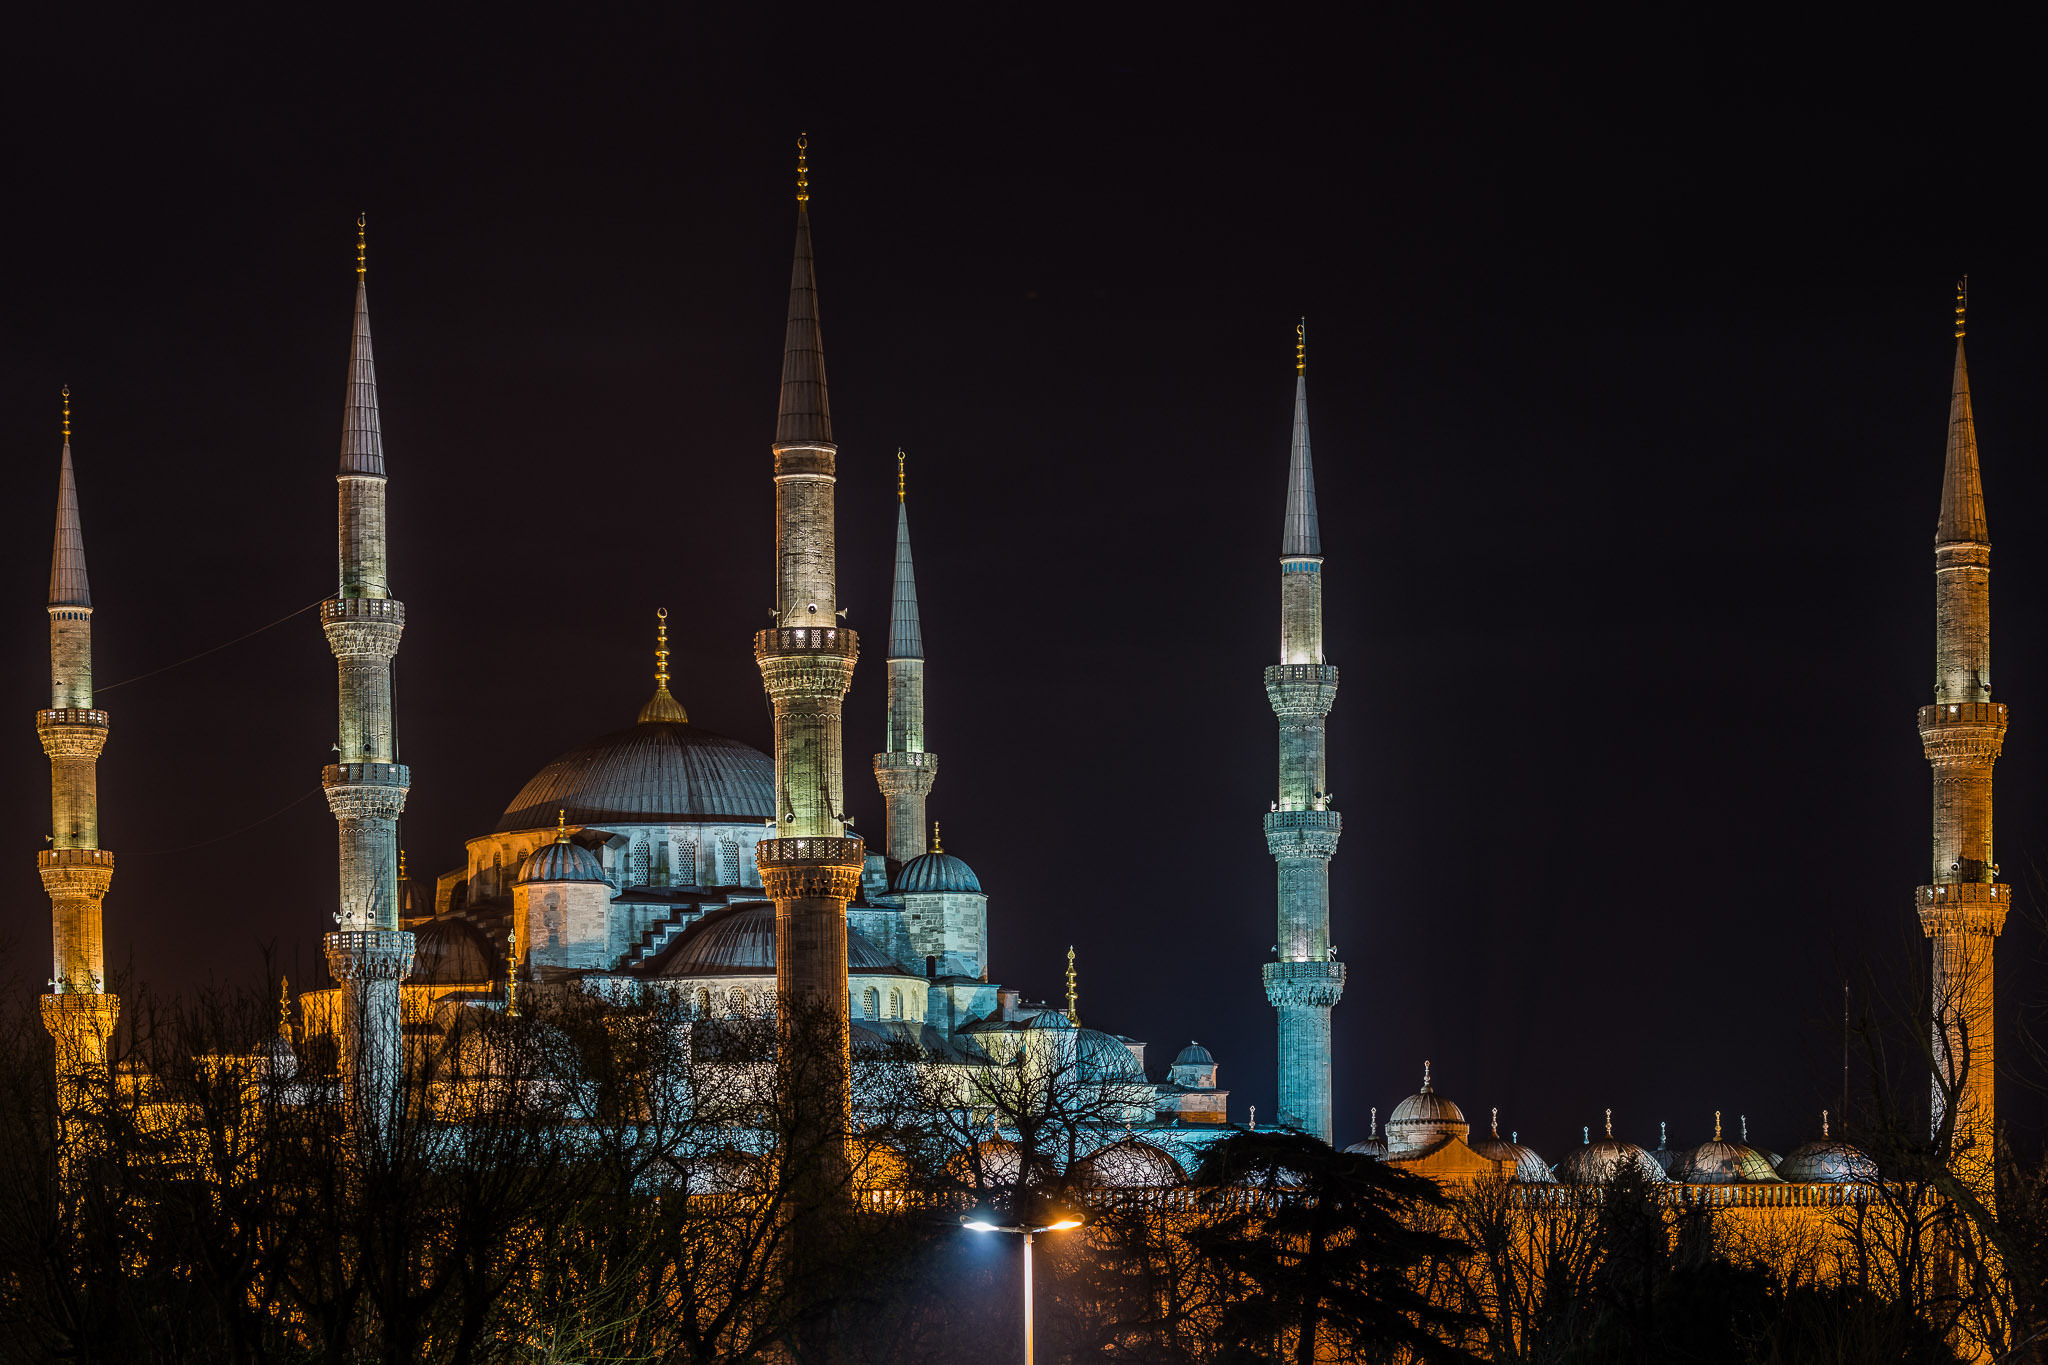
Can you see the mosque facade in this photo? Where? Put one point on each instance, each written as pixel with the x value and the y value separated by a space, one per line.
pixel 663 858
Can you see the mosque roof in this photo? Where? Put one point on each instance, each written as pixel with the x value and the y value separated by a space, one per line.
pixel 1530 1168
pixel 740 941
pixel 450 952
pixel 1372 1146
pixel 1194 1054
pixel 1829 1161
pixel 1105 1059
pixel 651 772
pixel 1596 1163
pixel 561 861
pixel 1423 1120
pixel 1725 1163
pixel 936 872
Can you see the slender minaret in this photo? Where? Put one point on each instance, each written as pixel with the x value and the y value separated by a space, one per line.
pixel 1302 828
pixel 76 871
pixel 812 868
pixel 1963 908
pixel 906 771
pixel 366 787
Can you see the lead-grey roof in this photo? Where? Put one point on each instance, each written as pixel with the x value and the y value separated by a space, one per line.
pixel 68 585
pixel 1301 535
pixel 648 774
pixel 450 952
pixel 740 941
pixel 805 415
pixel 362 443
pixel 906 632
pixel 1962 482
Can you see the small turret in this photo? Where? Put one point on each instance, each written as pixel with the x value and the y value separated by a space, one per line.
pixel 905 770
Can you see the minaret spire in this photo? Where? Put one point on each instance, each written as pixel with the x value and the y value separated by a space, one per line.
pixel 1962 909
pixel 366 787
pixel 75 870
pixel 662 707
pixel 905 770
pixel 1302 829
pixel 811 870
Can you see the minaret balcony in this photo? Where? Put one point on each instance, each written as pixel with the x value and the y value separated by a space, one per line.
pixel 1303 833
pixel 387 609
pixel 1962 732
pixel 1301 689
pixel 811 867
pixel 72 732
pixel 1316 985
pixel 835 641
pixel 71 715
pixel 1974 908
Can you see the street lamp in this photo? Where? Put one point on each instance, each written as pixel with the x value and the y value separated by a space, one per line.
pixel 986 1219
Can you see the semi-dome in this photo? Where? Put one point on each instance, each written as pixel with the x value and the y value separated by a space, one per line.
pixel 450 952
pixel 937 871
pixel 1194 1054
pixel 561 861
pixel 1596 1163
pixel 740 941
pixel 652 772
pixel 1423 1120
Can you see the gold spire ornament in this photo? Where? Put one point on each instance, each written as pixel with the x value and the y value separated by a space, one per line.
pixel 561 826
pixel 662 707
pixel 661 647
pixel 362 247
pixel 401 867
pixel 1610 1123
pixel 899 473
pixel 1301 347
pixel 1717 1125
pixel 1962 303
pixel 67 414
pixel 284 1006
pixel 935 838
pixel 1073 991
pixel 803 169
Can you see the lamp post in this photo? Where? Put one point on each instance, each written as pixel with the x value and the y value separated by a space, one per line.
pixel 986 1219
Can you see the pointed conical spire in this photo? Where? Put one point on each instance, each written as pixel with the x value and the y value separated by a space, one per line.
pixel 68 586
pixel 1301 536
pixel 1962 485
pixel 806 413
pixel 906 633
pixel 362 443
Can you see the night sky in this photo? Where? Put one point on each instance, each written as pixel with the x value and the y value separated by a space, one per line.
pixel 1629 367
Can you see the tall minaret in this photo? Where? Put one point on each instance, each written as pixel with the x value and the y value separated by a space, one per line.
pixel 366 787
pixel 76 871
pixel 1963 909
pixel 906 771
pixel 812 868
pixel 1302 828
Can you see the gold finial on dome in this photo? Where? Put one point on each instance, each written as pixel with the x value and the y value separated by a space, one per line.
pixel 1496 1120
pixel 1962 303
pixel 67 414
pixel 935 838
pixel 561 825
pixel 1301 366
pixel 362 245
pixel 803 169
pixel 1610 1123
pixel 284 1007
pixel 1823 1123
pixel 1717 1125
pixel 662 707
pixel 1073 991
pixel 1425 1073
pixel 899 473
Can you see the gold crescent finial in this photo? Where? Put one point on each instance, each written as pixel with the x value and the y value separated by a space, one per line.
pixel 935 838
pixel 1717 1125
pixel 284 1005
pixel 67 414
pixel 1425 1073
pixel 1823 1123
pixel 1496 1120
pixel 1073 991
pixel 362 247
pixel 1610 1123
pixel 661 647
pixel 899 473
pixel 1301 347
pixel 1962 303
pixel 803 169
pixel 401 866
pixel 561 826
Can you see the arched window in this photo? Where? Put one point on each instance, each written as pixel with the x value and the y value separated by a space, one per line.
pixel 895 1004
pixel 870 1003
pixel 686 862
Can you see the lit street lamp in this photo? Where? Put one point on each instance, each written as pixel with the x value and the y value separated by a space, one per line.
pixel 986 1219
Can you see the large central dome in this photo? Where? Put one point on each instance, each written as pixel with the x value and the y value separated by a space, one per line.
pixel 654 772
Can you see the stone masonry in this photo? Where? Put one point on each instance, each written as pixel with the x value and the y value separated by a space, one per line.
pixel 1305 981
pixel 366 787
pixel 1962 909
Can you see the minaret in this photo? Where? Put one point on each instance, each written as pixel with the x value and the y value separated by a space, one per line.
pixel 1963 909
pixel 812 868
pixel 1302 828
pixel 76 871
pixel 906 771
pixel 366 786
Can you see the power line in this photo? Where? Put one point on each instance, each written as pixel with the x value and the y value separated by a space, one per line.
pixel 215 650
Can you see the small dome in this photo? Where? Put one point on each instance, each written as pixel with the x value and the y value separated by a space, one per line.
pixel 1048 1019
pixel 450 952
pixel 1131 1164
pixel 653 772
pixel 1724 1163
pixel 1530 1169
pixel 1194 1054
pixel 561 861
pixel 1596 1163
pixel 936 872
pixel 740 941
pixel 1827 1161
pixel 1105 1061
pixel 275 1053
pixel 1423 1120
pixel 1375 1147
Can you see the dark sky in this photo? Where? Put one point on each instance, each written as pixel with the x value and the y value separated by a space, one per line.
pixel 1629 362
